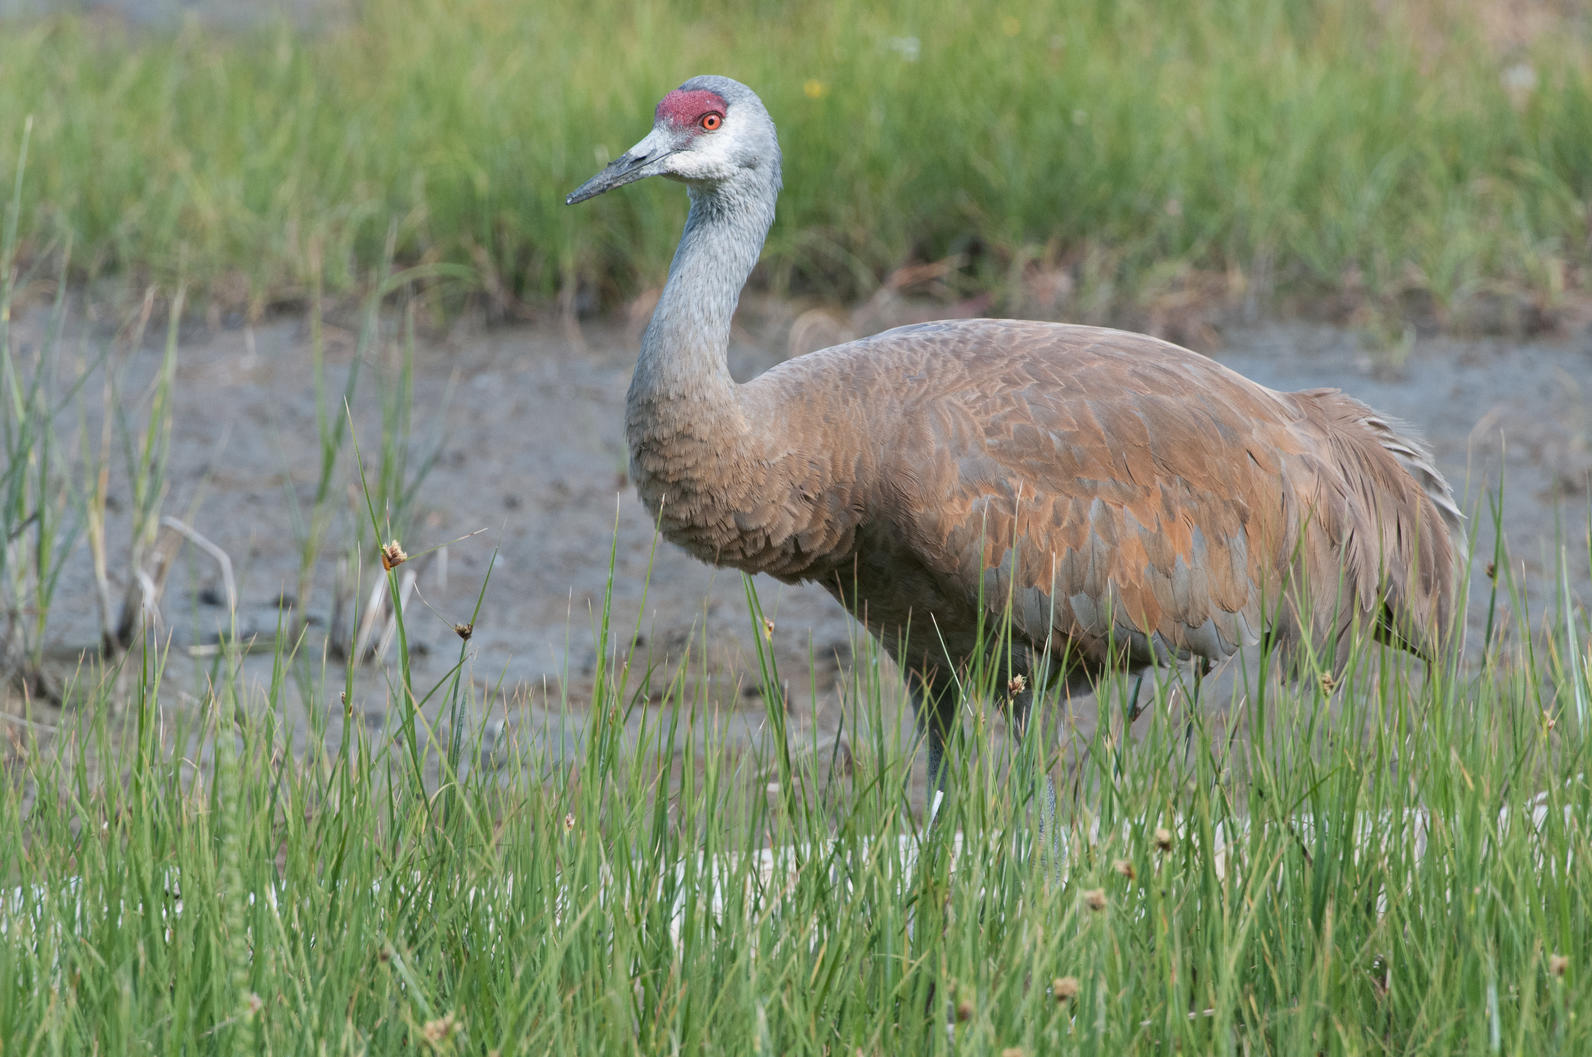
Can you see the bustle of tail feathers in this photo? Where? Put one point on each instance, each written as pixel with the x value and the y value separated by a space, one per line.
pixel 1397 533
pixel 1399 438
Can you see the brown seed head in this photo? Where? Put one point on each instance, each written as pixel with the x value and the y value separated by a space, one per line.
pixel 1558 964
pixel 445 1026
pixel 964 1011
pixel 464 631
pixel 1065 988
pixel 1123 867
pixel 1095 899
pixel 1017 685
pixel 569 822
pixel 768 629
pixel 1163 838
pixel 392 555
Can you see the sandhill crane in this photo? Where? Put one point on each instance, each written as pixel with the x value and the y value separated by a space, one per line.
pixel 1127 501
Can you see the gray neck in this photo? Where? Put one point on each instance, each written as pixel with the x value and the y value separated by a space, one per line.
pixel 683 350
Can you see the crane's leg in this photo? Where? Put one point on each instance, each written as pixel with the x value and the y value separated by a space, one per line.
pixel 1135 706
pixel 1202 668
pixel 934 700
pixel 1027 742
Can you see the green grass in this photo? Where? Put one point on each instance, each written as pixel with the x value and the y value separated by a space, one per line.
pixel 1367 884
pixel 1138 149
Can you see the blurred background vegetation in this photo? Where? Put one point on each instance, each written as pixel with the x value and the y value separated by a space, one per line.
pixel 1430 159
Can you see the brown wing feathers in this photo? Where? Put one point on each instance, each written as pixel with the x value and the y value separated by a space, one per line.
pixel 1118 489
pixel 1132 501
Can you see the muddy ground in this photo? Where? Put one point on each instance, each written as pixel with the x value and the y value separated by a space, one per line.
pixel 526 423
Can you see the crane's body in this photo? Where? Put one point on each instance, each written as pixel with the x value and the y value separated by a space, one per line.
pixel 1125 501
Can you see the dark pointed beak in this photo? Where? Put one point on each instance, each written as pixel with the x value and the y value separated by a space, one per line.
pixel 627 168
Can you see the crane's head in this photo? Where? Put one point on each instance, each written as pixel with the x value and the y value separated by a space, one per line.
pixel 709 132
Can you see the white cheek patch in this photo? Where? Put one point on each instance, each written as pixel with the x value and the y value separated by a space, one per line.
pixel 707 158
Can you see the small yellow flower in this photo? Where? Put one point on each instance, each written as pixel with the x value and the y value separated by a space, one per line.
pixel 814 88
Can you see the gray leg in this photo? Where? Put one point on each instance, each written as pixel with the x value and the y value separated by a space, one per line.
pixel 1022 709
pixel 934 699
pixel 1202 668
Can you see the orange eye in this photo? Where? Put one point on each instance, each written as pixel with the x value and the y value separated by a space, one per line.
pixel 710 121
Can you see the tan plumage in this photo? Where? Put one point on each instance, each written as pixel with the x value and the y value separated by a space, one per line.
pixel 1130 501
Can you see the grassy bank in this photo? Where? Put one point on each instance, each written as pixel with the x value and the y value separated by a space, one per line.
pixel 1074 159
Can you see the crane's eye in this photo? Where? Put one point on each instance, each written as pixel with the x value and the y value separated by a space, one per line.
pixel 711 120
